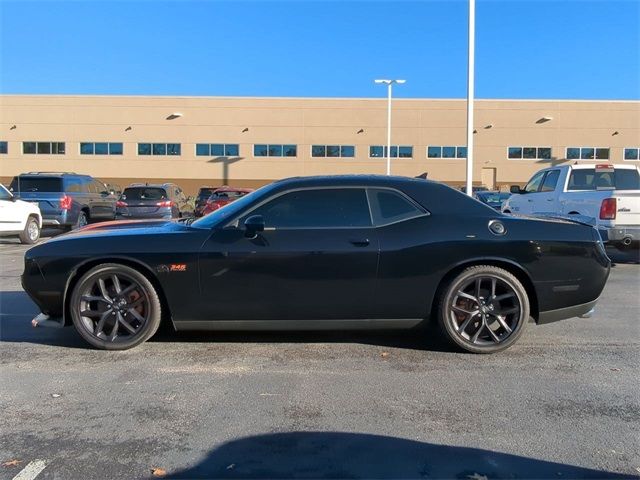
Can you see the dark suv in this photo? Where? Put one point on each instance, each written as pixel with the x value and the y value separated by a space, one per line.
pixel 165 200
pixel 66 200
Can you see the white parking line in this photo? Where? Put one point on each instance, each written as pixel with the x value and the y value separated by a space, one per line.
pixel 31 471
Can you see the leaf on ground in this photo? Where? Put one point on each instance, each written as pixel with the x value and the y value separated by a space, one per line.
pixel 614 369
pixel 158 472
pixel 12 463
pixel 231 467
pixel 477 476
pixel 384 354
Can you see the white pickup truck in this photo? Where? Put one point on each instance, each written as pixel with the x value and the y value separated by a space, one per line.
pixel 609 195
pixel 18 218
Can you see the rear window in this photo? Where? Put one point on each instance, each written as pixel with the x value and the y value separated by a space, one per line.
pixel 589 179
pixel 227 195
pixel 205 193
pixel 36 184
pixel 144 193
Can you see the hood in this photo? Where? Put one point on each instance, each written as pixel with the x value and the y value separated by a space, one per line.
pixel 124 227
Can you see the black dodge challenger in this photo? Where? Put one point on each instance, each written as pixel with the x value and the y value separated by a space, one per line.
pixel 339 252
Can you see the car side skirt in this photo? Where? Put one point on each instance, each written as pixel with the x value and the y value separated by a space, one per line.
pixel 568 312
pixel 297 325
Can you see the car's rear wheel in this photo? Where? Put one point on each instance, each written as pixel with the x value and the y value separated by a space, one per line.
pixel 115 307
pixel 484 309
pixel 31 232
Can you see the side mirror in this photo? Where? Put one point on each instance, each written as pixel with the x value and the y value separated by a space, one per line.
pixel 515 189
pixel 253 225
pixel 104 193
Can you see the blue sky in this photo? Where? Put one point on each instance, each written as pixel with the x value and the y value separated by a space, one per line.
pixel 524 49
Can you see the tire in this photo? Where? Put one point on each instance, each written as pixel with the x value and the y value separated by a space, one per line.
pixel 31 232
pixel 486 322
pixel 83 219
pixel 109 321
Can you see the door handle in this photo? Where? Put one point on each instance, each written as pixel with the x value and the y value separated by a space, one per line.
pixel 359 242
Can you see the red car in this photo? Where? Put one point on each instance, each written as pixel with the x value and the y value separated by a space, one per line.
pixel 223 196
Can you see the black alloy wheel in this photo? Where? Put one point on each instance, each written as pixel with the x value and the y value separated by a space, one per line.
pixel 115 307
pixel 484 309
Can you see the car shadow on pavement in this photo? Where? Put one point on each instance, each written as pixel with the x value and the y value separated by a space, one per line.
pixel 629 256
pixel 356 455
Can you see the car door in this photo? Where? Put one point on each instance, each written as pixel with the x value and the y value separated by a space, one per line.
pixel 525 203
pixel 315 260
pixel 101 206
pixel 11 215
pixel 544 200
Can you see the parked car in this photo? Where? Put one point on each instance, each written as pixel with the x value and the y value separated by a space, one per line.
pixel 223 196
pixel 165 200
pixel 19 218
pixel 608 195
pixel 66 200
pixel 337 252
pixel 493 199
pixel 201 199
pixel 474 189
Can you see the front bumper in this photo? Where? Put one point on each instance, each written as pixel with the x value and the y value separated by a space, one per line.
pixel 619 234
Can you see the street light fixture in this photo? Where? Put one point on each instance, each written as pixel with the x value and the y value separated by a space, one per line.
pixel 389 83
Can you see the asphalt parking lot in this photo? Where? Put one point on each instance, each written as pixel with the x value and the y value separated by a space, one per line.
pixel 562 403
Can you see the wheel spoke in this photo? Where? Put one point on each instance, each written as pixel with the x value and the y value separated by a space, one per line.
pixel 478 283
pixel 504 296
pixel 91 313
pixel 493 335
pixel 103 289
pixel 494 282
pixel 136 302
pixel 461 310
pixel 502 323
pixel 114 332
pixel 466 323
pixel 100 325
pixel 135 313
pixel 127 290
pixel 467 296
pixel 90 298
pixel 116 283
pixel 507 311
pixel 477 334
pixel 125 324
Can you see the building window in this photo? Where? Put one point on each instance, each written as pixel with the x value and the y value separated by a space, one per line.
pixel 159 149
pixel 43 148
pixel 217 149
pixel 529 153
pixel 446 152
pixel 332 150
pixel 630 154
pixel 3 147
pixel 401 151
pixel 587 153
pixel 100 148
pixel 275 150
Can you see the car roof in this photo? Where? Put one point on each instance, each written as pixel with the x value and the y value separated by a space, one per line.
pixel 580 166
pixel 53 174
pixel 351 180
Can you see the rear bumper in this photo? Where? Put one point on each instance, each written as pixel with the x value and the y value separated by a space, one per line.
pixel 143 216
pixel 619 234
pixel 584 310
pixel 58 219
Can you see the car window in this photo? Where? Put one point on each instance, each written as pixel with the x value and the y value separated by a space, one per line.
pixel 144 193
pixel 550 181
pixel 322 208
pixel 72 185
pixel 589 179
pixel 388 207
pixel 534 183
pixel 4 193
pixel 99 186
pixel 37 184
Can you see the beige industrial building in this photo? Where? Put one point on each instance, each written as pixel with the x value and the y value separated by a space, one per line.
pixel 195 141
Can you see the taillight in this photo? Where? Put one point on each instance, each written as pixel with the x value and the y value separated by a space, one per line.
pixel 121 204
pixel 65 203
pixel 608 209
pixel 165 203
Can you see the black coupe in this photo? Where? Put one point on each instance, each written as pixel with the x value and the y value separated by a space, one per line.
pixel 337 252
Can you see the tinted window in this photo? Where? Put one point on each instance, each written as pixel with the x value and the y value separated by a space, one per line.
pixel 515 152
pixel 217 149
pixel 144 149
pixel 3 147
pixel 333 151
pixel 159 149
pixel 232 150
pixel 37 184
pixel 73 185
pixel 376 151
pixel 323 208
pixel 290 150
pixel 550 181
pixel 86 149
pixel 629 153
pixel 627 179
pixel 534 183
pixel 202 149
pixel 260 150
pixel 4 193
pixel 573 153
pixel 529 152
pixel 347 151
pixel 318 151
pixel 28 147
pixel 434 152
pixel 205 193
pixel 102 148
pixel 588 179
pixel 144 193
pixel 448 152
pixel 115 149
pixel 461 152
pixel 389 207
pixel 44 147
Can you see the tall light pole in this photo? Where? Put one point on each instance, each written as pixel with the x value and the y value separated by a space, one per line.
pixel 470 94
pixel 389 84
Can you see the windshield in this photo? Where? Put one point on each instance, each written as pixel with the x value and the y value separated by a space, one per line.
pixel 37 184
pixel 4 193
pixel 230 210
pixel 204 193
pixel 493 197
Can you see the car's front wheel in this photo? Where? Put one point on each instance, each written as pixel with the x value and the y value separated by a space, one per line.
pixel 484 309
pixel 115 307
